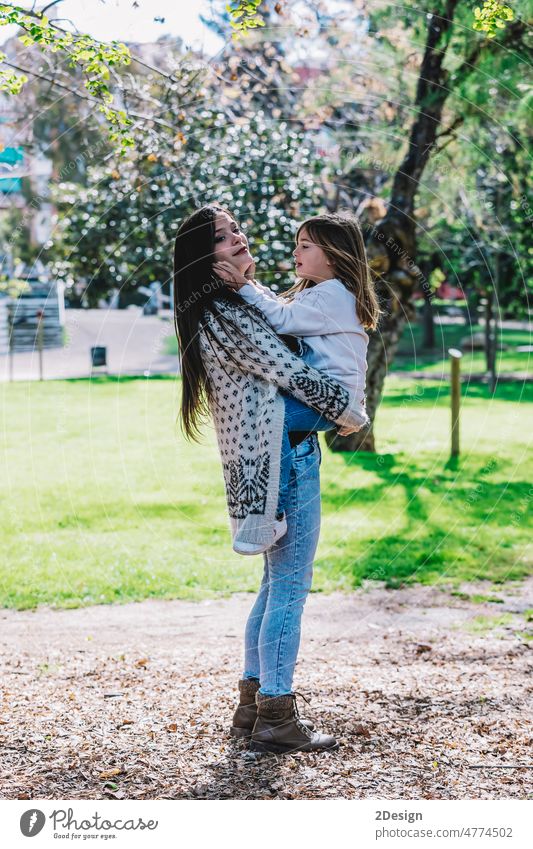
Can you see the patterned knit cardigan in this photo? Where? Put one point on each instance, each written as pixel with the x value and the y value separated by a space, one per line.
pixel 247 364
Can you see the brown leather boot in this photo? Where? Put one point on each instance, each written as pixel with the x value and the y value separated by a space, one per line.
pixel 246 713
pixel 278 728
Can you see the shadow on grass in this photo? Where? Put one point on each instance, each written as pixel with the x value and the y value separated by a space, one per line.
pixel 456 526
pixel 118 378
pixel 423 391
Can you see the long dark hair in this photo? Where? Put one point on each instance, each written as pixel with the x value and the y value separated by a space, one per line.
pixel 195 289
pixel 341 238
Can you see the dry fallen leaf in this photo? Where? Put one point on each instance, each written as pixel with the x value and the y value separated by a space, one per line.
pixel 109 773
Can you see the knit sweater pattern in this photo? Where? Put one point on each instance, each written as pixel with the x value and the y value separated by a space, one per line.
pixel 247 366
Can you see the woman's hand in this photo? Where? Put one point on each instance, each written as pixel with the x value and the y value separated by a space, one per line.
pixel 231 276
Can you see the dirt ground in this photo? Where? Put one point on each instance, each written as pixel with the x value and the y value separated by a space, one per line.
pixel 134 701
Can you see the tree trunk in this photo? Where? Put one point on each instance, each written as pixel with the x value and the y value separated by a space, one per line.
pixel 381 351
pixel 391 242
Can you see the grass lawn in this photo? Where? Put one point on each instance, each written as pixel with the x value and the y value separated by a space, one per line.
pixel 102 500
pixel 412 357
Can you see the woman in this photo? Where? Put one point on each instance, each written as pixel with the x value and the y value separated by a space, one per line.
pixel 234 367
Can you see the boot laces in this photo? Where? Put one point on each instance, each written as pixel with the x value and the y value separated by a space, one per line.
pixel 301 695
pixel 307 731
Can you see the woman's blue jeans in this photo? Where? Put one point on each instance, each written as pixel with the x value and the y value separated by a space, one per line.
pixel 297 417
pixel 272 636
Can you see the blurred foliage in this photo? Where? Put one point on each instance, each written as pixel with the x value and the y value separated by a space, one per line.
pixel 94 58
pixel 246 15
pixel 117 230
pixel 13 288
pixel 475 204
pixel 291 120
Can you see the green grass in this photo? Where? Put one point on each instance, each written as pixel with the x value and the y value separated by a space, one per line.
pixel 102 500
pixel 411 356
pixel 484 624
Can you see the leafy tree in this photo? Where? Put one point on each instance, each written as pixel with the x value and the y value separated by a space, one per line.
pixel 117 230
pixel 452 66
pixel 451 57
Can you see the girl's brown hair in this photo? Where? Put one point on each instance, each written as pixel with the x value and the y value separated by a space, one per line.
pixel 341 239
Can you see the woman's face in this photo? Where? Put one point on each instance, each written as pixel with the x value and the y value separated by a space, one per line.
pixel 311 261
pixel 230 243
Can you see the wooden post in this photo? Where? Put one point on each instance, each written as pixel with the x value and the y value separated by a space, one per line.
pixel 455 358
pixel 11 329
pixel 490 338
pixel 40 333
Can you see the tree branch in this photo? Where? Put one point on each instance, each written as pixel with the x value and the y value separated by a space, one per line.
pixel 53 3
pixel 81 96
pixel 449 130
pixel 512 33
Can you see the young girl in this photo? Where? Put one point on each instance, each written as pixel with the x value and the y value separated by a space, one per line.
pixel 330 307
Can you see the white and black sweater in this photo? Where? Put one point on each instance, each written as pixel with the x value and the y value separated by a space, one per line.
pixel 247 364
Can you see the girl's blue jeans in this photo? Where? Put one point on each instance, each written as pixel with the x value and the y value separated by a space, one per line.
pixel 297 417
pixel 272 635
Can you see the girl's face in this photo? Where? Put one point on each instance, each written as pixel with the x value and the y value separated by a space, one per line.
pixel 230 243
pixel 311 261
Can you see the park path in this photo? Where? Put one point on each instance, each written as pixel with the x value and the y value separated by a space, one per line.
pixel 133 701
pixel 134 345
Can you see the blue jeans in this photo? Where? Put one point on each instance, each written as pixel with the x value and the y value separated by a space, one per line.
pixel 272 635
pixel 297 417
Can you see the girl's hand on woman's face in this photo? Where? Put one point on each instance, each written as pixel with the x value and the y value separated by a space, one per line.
pixel 250 271
pixel 345 431
pixel 231 276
